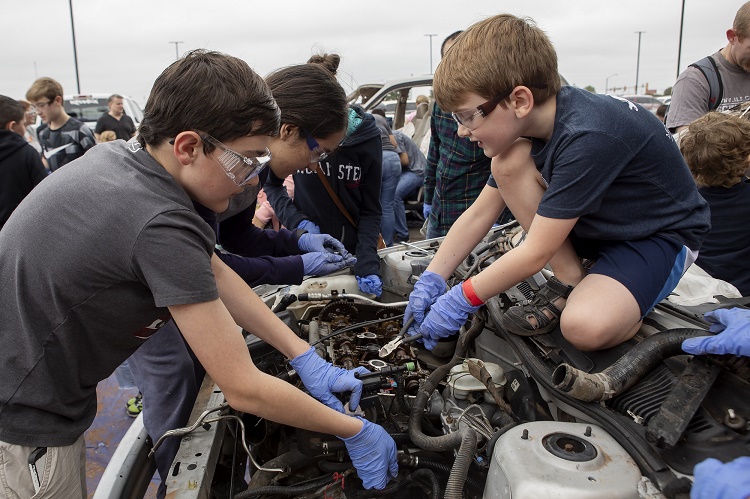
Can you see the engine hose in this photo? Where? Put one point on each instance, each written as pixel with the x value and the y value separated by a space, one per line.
pixel 420 463
pixel 289 491
pixel 334 466
pixel 490 448
pixel 421 473
pixel 452 440
pixel 292 460
pixel 627 371
pixel 460 470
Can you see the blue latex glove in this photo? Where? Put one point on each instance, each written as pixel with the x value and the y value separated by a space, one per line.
pixel 713 479
pixel 733 328
pixel 428 288
pixel 322 379
pixel 370 284
pixel 309 243
pixel 426 210
pixel 373 453
pixel 310 227
pixel 446 316
pixel 324 263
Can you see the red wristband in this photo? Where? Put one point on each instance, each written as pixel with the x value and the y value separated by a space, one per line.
pixel 470 294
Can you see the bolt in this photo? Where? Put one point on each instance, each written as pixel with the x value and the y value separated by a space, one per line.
pixel 731 413
pixel 587 433
pixel 525 435
pixel 568 447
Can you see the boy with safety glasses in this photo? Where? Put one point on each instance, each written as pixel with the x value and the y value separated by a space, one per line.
pixel 102 253
pixel 586 175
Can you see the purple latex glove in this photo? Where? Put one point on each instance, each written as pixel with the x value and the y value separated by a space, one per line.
pixel 373 453
pixel 446 316
pixel 713 479
pixel 732 326
pixel 324 263
pixel 428 288
pixel 309 226
pixel 370 284
pixel 322 379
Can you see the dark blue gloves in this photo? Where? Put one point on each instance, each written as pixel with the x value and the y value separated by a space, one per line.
pixel 733 334
pixel 373 453
pixel 713 479
pixel 426 210
pixel 428 288
pixel 446 316
pixel 324 263
pixel 370 284
pixel 322 379
pixel 309 226
pixel 309 243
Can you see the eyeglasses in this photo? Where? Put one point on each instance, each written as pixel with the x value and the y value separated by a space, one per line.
pixel 468 119
pixel 317 153
pixel 239 168
pixel 40 105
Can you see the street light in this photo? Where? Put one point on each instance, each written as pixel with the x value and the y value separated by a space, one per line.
pixel 638 63
pixel 606 82
pixel 75 53
pixel 679 46
pixel 176 51
pixel 431 35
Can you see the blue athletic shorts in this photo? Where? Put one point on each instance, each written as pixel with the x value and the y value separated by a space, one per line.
pixel 649 268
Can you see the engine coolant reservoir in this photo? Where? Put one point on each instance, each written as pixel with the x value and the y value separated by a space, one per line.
pixel 558 460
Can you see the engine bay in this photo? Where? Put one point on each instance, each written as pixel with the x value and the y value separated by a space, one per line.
pixel 486 413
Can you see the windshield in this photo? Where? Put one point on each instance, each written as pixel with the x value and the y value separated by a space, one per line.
pixel 86 109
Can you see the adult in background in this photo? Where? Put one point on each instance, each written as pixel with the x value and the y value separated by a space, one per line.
pixel 21 167
pixel 115 120
pixel 410 180
pixel 691 95
pixel 456 171
pixel 393 159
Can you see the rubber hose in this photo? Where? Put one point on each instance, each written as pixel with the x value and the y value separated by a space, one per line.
pixel 293 459
pixel 441 466
pixel 334 466
pixel 457 478
pixel 292 490
pixel 499 433
pixel 452 440
pixel 421 473
pixel 627 371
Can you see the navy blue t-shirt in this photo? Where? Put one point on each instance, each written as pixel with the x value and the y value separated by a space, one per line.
pixel 614 166
pixel 725 253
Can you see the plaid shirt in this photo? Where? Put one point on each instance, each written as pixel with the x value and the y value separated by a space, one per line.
pixel 457 171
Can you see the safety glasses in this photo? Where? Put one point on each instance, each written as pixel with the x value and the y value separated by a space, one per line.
pixel 472 119
pixel 238 167
pixel 316 151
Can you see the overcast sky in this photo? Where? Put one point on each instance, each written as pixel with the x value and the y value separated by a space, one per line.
pixel 123 46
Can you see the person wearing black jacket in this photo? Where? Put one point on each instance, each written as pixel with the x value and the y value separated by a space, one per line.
pixel 21 167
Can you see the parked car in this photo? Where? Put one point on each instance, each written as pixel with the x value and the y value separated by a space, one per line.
pixel 648 101
pixel 89 107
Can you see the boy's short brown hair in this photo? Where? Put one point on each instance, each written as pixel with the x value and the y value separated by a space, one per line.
pixel 211 92
pixel 716 148
pixel 44 87
pixel 496 55
pixel 10 110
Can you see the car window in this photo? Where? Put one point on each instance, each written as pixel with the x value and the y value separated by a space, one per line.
pixel 137 114
pixel 86 108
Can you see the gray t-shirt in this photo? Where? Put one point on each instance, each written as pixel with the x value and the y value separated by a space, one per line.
pixel 690 93
pixel 417 161
pixel 385 132
pixel 89 262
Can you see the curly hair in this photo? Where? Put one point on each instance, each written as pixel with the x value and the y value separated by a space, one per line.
pixel 716 148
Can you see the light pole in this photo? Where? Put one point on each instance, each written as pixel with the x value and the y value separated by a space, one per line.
pixel 430 35
pixel 638 63
pixel 75 52
pixel 679 45
pixel 176 51
pixel 606 82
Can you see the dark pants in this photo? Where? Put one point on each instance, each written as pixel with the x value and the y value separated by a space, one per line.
pixel 169 376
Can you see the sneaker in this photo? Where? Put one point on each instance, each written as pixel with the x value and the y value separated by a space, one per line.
pixel 135 405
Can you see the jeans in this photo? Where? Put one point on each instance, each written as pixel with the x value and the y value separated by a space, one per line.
pixel 169 376
pixel 408 182
pixel 391 172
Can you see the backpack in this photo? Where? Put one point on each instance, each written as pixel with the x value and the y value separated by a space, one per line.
pixel 707 66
